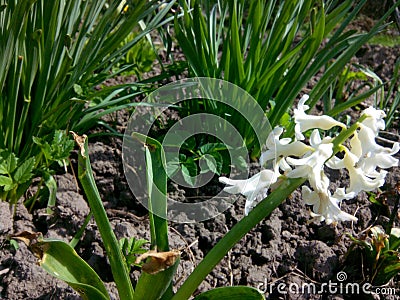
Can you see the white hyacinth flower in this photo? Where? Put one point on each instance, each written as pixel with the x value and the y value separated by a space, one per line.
pixel 364 161
pixel 359 181
pixel 277 148
pixel 305 122
pixel 370 154
pixel 251 187
pixel 374 120
pixel 326 206
pixel 312 166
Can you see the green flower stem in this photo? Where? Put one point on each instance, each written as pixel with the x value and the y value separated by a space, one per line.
pixel 217 253
pixel 117 261
pixel 345 134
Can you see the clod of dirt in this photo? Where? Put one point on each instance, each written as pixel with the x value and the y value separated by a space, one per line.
pixel 317 259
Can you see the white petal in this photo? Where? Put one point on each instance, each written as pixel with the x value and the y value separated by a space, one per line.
pixel 356 145
pixel 281 147
pixel 325 207
pixel 250 187
pixel 375 120
pixel 305 122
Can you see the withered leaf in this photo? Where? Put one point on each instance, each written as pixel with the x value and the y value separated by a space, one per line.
pixel 80 140
pixel 159 261
pixel 28 237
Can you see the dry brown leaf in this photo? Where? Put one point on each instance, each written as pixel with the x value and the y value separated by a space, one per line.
pixel 80 140
pixel 27 237
pixel 159 261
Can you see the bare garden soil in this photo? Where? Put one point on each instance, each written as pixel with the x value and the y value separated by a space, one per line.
pixel 283 248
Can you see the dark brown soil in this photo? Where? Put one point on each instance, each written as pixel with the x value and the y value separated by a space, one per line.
pixel 284 248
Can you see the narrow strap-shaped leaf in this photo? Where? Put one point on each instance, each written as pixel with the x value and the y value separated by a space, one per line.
pixel 216 254
pixel 157 186
pixel 153 286
pixel 114 253
pixel 60 260
pixel 51 184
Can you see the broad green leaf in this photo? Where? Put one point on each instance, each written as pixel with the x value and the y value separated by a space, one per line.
pixel 206 164
pixel 57 149
pixel 173 166
pixel 8 162
pixel 60 260
pixel 240 162
pixel 211 162
pixel 61 146
pixel 78 89
pixel 212 147
pixel 24 171
pixel 190 143
pixel 6 181
pixel 231 293
pixel 189 171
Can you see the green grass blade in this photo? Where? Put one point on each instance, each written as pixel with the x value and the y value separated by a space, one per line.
pixel 75 240
pixel 114 254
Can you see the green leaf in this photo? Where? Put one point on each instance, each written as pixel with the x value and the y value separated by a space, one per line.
pixel 233 236
pixel 6 182
pixel 57 149
pixel 60 260
pixel 51 185
pixel 174 165
pixel 153 286
pixel 386 273
pixel 240 162
pixel 78 89
pixel 23 173
pixel 14 244
pixel 204 164
pixel 211 162
pixel 130 247
pixel 189 171
pixel 212 147
pixel 61 146
pixel 372 199
pixel 190 143
pixel 114 254
pixel 157 191
pixel 8 162
pixel 232 293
